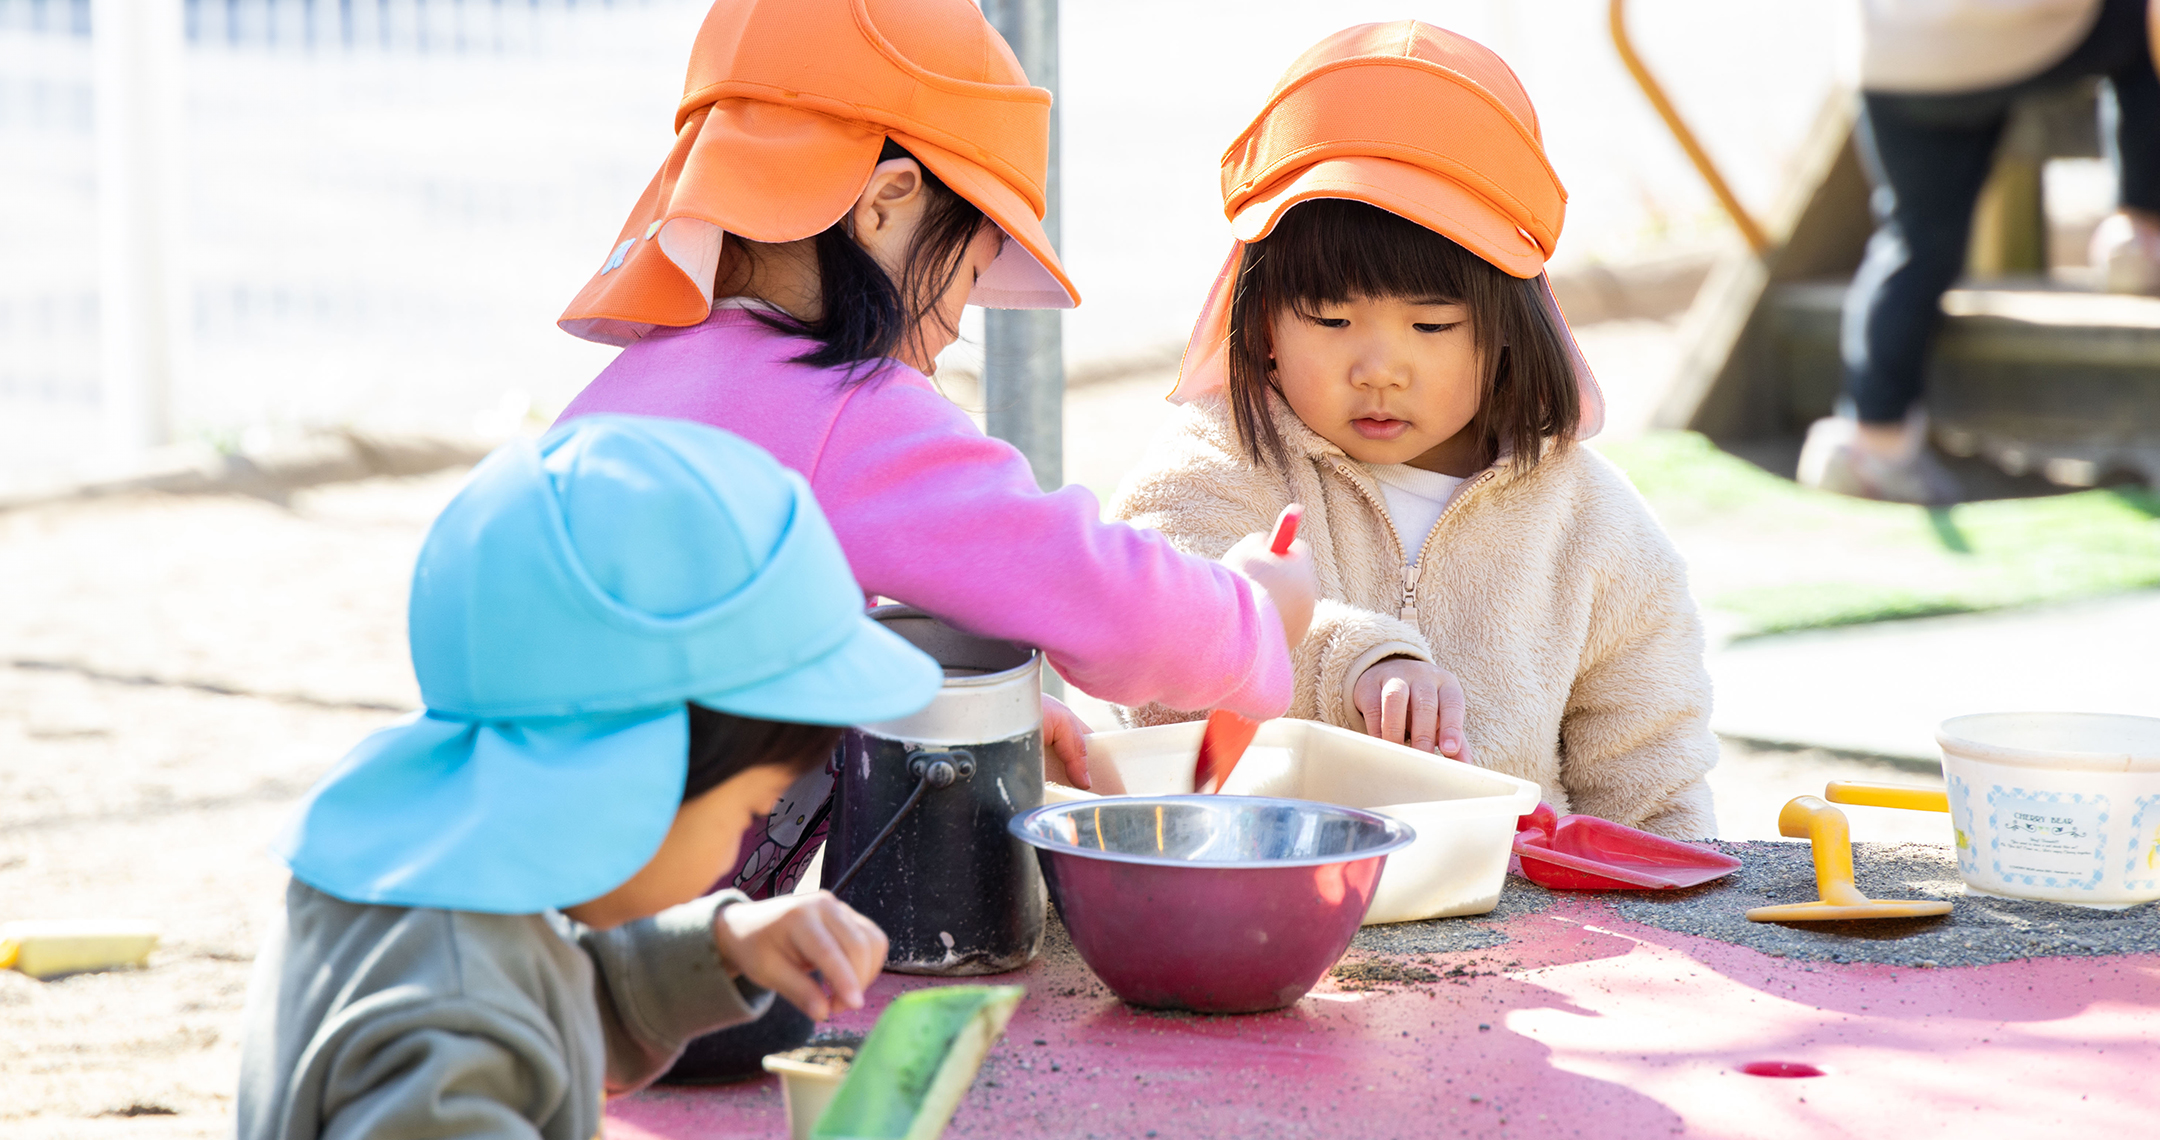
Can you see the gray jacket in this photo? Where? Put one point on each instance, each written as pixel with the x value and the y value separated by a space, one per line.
pixel 393 1022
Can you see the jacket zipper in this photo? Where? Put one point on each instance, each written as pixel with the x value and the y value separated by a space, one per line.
pixel 1409 568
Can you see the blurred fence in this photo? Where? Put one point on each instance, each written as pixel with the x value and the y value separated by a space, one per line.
pixel 452 26
pixel 389 201
pixel 383 217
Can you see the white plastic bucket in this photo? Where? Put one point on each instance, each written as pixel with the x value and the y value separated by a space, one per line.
pixel 1464 816
pixel 2063 807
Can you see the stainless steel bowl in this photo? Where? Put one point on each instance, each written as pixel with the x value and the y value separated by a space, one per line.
pixel 1220 904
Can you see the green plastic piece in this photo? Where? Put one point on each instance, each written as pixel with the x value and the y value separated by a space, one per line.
pixel 917 1063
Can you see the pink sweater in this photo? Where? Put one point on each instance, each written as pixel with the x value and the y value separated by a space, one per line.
pixel 932 512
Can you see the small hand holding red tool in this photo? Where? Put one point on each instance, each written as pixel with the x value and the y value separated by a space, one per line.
pixel 1228 734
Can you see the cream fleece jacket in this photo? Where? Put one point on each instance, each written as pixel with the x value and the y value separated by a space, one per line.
pixel 1552 595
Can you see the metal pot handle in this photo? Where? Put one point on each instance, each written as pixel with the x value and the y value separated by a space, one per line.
pixel 938 770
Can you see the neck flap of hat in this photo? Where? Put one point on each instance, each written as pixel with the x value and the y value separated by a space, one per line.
pixel 567 603
pixel 785 108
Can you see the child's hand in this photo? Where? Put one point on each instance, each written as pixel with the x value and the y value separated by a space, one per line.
pixel 1065 758
pixel 1413 702
pixel 1288 579
pixel 778 942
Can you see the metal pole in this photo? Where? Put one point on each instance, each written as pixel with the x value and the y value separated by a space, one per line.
pixel 1024 349
pixel 1616 20
pixel 137 48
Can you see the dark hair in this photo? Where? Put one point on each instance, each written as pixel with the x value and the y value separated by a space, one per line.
pixel 1329 250
pixel 723 746
pixel 866 316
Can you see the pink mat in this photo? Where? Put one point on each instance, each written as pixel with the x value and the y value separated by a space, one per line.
pixel 1584 1024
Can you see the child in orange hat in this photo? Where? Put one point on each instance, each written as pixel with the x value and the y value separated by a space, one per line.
pixel 847 176
pixel 1382 347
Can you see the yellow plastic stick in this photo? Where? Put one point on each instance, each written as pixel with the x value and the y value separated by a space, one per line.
pixel 1886 795
pixel 1831 838
pixel 50 949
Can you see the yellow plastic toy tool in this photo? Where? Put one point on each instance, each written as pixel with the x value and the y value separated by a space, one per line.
pixel 1826 830
pixel 51 949
pixel 1886 795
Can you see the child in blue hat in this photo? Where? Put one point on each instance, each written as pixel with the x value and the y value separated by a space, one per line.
pixel 630 637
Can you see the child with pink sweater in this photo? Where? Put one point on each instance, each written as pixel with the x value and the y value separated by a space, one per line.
pixel 846 178
pixel 837 194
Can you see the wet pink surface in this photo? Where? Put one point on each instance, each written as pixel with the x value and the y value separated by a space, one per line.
pixel 1583 1025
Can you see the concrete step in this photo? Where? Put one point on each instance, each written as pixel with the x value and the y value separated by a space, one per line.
pixel 2034 374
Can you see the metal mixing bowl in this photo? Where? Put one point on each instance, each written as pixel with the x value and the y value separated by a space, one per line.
pixel 1220 904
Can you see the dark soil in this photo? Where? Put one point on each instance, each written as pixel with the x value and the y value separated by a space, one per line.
pixel 1379 973
pixel 837 1055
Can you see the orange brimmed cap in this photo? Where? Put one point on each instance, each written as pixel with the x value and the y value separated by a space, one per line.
pixel 1416 120
pixel 787 104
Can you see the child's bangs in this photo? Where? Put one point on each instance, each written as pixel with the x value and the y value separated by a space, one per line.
pixel 1329 250
pixel 1332 250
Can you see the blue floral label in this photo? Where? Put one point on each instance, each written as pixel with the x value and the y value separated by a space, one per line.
pixel 1961 825
pixel 2050 839
pixel 2142 870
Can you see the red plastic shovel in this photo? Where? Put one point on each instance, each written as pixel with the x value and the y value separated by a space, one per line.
pixel 1228 734
pixel 1585 853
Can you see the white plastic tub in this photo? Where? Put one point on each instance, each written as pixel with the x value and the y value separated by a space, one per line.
pixel 2057 806
pixel 1464 816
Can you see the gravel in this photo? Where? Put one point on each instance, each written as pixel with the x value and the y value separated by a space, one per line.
pixel 1978 931
pixel 1452 935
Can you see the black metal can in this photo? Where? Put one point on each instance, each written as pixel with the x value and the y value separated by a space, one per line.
pixel 955 893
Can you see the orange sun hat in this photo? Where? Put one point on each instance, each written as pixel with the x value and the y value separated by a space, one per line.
pixel 1416 120
pixel 787 104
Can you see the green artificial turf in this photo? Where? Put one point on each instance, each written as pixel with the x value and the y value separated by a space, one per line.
pixel 1774 556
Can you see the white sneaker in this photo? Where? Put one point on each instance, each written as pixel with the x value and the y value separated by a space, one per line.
pixel 1833 460
pixel 2127 253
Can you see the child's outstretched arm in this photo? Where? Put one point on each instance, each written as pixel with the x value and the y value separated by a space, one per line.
pixel 716 961
pixel 932 512
pixel 664 980
pixel 1205 498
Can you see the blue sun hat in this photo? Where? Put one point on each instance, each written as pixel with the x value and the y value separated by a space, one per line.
pixel 567 603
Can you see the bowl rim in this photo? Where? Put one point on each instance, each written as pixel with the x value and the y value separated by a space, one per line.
pixel 1399 834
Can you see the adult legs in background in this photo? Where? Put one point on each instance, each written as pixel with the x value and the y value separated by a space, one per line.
pixel 2126 247
pixel 1927 168
pixel 1927 157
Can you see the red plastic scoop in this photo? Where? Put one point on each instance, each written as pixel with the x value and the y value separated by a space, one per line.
pixel 1585 853
pixel 1286 529
pixel 1228 734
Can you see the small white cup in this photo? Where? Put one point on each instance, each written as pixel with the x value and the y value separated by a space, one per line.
pixel 809 1077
